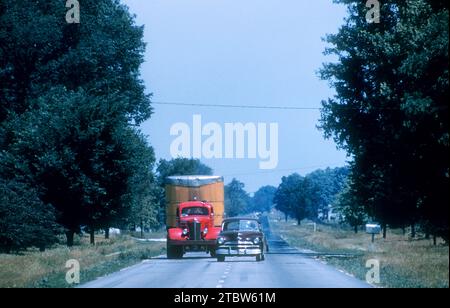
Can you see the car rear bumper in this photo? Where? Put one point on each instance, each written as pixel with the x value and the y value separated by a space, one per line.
pixel 239 250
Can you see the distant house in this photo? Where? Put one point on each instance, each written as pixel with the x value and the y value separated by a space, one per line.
pixel 330 214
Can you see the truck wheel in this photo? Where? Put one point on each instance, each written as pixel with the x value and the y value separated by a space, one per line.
pixel 220 258
pixel 171 254
pixel 174 252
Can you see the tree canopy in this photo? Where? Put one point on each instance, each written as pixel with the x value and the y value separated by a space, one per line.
pixel 70 100
pixel 390 111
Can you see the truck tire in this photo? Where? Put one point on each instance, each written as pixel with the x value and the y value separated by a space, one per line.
pixel 174 252
pixel 220 258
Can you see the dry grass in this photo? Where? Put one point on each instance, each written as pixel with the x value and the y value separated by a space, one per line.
pixel 404 262
pixel 47 269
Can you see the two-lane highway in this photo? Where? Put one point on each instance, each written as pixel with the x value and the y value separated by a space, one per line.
pixel 284 267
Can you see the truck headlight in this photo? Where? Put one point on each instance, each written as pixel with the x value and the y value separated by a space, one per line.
pixel 220 240
pixel 256 241
pixel 185 231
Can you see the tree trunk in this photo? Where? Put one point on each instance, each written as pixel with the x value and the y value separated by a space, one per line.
pixel 403 230
pixel 434 240
pixel 142 229
pixel 355 228
pixel 92 238
pixel 299 221
pixel 285 217
pixel 69 237
pixel 384 230
pixel 413 230
pixel 106 233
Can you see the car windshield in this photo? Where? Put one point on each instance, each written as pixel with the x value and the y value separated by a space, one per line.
pixel 241 225
pixel 195 210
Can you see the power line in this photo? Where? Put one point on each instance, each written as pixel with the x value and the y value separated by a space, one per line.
pixel 235 106
pixel 283 170
pixel 281 107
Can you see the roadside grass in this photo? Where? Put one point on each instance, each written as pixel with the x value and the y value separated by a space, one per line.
pixel 33 268
pixel 404 262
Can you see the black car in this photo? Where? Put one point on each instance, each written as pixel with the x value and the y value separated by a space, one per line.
pixel 241 236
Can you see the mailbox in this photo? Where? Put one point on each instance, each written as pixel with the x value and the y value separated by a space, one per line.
pixel 373 228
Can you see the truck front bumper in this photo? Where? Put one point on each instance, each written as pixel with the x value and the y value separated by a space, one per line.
pixel 192 243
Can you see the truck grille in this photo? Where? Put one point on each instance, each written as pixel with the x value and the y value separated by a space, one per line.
pixel 194 231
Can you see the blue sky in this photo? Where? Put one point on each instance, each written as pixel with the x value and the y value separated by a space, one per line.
pixel 232 52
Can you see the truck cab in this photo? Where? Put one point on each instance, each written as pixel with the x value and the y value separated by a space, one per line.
pixel 195 231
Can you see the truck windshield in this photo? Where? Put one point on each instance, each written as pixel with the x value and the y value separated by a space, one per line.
pixel 241 225
pixel 195 210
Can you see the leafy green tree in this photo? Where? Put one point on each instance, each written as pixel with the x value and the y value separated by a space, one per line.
pixel 351 211
pixel 24 219
pixel 391 109
pixel 262 201
pixel 297 197
pixel 181 166
pixel 176 166
pixel 70 98
pixel 329 183
pixel 143 188
pixel 237 200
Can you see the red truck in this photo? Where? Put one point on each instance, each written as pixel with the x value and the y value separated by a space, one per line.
pixel 193 225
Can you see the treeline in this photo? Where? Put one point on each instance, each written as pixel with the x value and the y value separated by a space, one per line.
pixel 390 112
pixel 297 196
pixel 239 202
pixel 310 196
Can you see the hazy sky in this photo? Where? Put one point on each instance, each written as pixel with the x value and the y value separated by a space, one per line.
pixel 234 52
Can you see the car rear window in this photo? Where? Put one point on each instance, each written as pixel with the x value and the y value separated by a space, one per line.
pixel 241 225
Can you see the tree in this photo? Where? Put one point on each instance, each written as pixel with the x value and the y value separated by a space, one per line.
pixel 176 166
pixel 70 98
pixel 262 200
pixel 237 200
pixel 297 197
pixel 329 183
pixel 143 188
pixel 24 219
pixel 391 110
pixel 351 211
pixel 181 166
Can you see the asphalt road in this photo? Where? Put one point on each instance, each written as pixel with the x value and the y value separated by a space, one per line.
pixel 284 267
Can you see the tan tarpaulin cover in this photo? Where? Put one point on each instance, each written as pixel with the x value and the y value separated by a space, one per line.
pixel 188 188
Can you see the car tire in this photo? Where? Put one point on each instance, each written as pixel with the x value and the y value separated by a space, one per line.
pixel 212 253
pixel 259 257
pixel 220 258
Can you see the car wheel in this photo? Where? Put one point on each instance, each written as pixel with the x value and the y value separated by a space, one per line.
pixel 220 258
pixel 212 253
pixel 258 258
